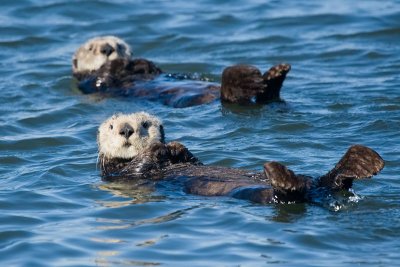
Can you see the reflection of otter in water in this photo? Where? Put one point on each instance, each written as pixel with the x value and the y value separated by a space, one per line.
pixel 132 147
pixel 104 64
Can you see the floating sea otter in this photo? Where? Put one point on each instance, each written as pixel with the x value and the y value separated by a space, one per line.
pixel 104 64
pixel 132 147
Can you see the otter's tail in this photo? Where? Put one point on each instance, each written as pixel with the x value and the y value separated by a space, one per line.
pixel 358 162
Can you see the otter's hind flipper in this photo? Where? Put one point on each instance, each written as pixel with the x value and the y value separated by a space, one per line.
pixel 273 78
pixel 240 84
pixel 287 185
pixel 358 162
pixel 244 84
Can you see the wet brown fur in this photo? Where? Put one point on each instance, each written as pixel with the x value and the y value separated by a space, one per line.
pixel 275 184
pixel 241 84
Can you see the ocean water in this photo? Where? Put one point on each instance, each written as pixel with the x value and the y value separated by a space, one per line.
pixel 343 89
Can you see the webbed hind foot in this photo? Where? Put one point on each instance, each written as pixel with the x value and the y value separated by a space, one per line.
pixel 358 162
pixel 273 79
pixel 244 84
pixel 287 185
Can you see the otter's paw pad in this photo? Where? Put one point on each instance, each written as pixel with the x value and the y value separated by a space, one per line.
pixel 277 71
pixel 284 179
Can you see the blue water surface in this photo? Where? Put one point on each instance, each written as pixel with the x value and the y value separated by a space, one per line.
pixel 343 89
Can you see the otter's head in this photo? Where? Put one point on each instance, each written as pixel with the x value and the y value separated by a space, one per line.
pixel 128 135
pixel 97 51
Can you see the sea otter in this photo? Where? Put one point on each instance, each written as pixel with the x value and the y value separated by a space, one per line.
pixel 132 147
pixel 104 64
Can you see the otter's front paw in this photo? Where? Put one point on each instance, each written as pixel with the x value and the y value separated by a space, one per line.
pixel 180 154
pixel 158 151
pixel 176 148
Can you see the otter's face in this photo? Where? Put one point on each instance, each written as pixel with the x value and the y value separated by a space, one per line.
pixel 126 136
pixel 97 51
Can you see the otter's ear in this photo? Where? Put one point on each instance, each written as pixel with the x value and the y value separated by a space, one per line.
pixel 115 116
pixel 75 62
pixel 162 134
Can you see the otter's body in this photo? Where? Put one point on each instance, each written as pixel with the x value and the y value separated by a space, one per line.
pixel 159 161
pixel 106 67
pixel 140 78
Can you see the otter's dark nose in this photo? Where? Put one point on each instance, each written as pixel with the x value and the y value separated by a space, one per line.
pixel 126 130
pixel 106 49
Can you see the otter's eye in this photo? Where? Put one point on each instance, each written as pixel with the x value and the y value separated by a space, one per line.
pixel 90 47
pixel 111 126
pixel 145 124
pixel 120 47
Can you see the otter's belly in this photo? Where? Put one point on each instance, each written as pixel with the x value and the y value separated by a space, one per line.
pixel 215 181
pixel 175 93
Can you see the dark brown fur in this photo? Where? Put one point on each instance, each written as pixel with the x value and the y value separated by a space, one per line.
pixel 241 84
pixel 275 184
pixel 244 84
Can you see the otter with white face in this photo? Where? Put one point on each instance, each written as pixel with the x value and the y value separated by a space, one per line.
pixel 126 136
pixel 132 147
pixel 104 65
pixel 98 51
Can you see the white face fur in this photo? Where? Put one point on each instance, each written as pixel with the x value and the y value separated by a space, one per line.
pixel 97 51
pixel 127 135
